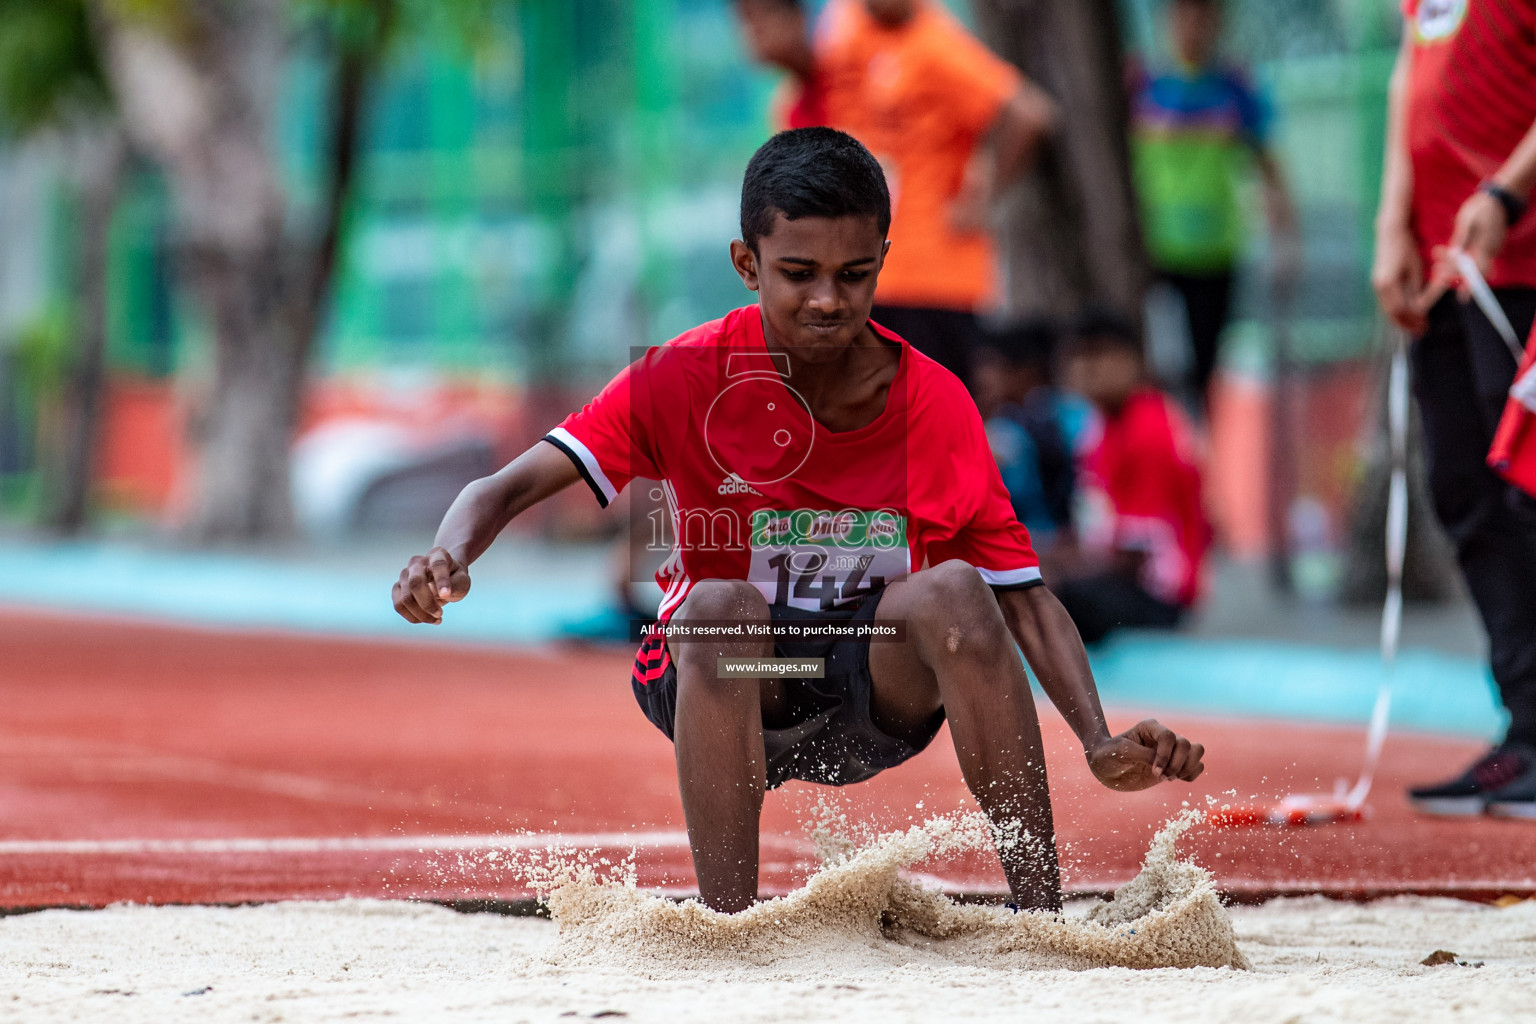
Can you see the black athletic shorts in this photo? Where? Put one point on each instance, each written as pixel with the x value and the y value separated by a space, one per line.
pixel 831 738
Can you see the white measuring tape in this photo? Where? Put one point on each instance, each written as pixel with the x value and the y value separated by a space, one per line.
pixel 1397 550
pixel 1487 302
pixel 1523 390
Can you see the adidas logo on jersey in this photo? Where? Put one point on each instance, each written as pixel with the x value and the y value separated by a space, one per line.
pixel 734 484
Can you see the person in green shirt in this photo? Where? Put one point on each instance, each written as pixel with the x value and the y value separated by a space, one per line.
pixel 1196 130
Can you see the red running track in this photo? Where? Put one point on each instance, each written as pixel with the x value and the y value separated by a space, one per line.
pixel 158 764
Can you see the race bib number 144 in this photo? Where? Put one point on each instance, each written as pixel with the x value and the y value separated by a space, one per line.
pixel 818 560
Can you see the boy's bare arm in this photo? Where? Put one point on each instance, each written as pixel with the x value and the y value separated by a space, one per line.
pixel 1023 123
pixel 1280 212
pixel 1482 224
pixel 1397 272
pixel 1142 756
pixel 480 512
pixel 1279 209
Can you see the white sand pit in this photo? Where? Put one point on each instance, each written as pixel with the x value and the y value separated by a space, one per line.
pixel 857 943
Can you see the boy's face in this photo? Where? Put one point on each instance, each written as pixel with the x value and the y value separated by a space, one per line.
pixel 1196 28
pixel 774 32
pixel 995 379
pixel 1105 373
pixel 891 12
pixel 815 280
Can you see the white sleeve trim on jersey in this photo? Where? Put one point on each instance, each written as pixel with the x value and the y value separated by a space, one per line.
pixel 595 474
pixel 1009 577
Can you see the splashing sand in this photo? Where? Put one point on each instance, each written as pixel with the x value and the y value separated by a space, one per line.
pixel 1167 916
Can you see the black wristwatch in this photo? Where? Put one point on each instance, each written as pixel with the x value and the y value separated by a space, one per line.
pixel 1514 206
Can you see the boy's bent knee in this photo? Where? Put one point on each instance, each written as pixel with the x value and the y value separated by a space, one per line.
pixel 953 602
pixel 953 590
pixel 956 582
pixel 724 599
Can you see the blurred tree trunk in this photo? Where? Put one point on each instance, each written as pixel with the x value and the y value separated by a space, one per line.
pixel 197 84
pixel 354 71
pixel 102 157
pixel 1073 235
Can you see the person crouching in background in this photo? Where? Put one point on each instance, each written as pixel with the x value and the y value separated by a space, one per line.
pixel 1141 526
pixel 1035 429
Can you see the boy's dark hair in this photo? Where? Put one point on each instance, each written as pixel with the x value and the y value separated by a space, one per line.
pixel 1028 342
pixel 1099 327
pixel 811 172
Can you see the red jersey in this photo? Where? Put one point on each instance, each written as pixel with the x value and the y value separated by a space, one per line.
pixel 1471 99
pixel 1144 476
pixel 759 491
pixel 800 104
pixel 1513 454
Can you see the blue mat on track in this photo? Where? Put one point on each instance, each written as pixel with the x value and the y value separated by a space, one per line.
pixel 334 596
pixel 1432 692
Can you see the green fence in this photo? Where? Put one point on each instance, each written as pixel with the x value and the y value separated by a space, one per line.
pixel 567 192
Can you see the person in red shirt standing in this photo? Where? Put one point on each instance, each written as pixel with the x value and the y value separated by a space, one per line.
pixel 1141 527
pixel 821 474
pixel 952 125
pixel 777 34
pixel 1460 167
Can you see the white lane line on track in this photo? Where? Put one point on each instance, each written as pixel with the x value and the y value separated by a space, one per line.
pixel 357 844
pixel 89 761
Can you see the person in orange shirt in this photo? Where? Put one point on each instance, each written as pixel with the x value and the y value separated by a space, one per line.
pixel 952 124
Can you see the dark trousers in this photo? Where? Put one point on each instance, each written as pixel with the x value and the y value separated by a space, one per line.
pixel 1461 375
pixel 947 336
pixel 1101 604
pixel 1207 304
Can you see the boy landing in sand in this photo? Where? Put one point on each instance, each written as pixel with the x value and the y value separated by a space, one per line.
pixel 819 470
